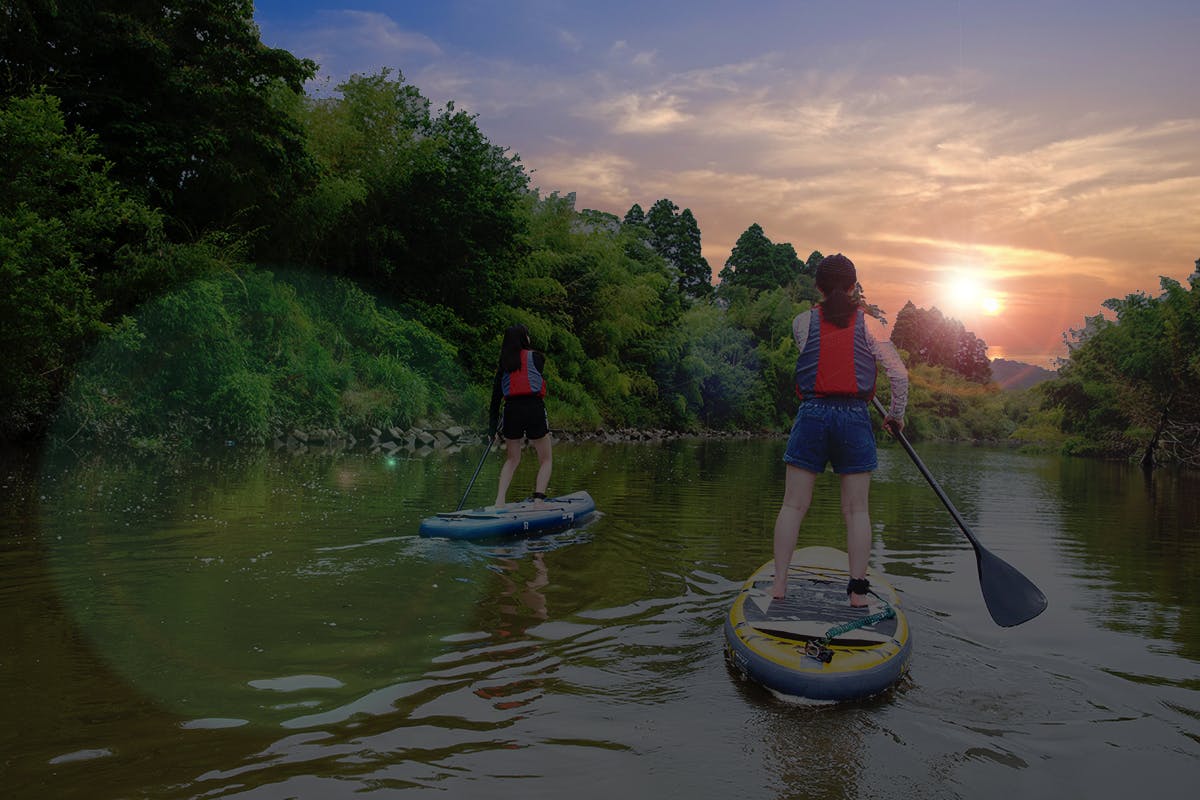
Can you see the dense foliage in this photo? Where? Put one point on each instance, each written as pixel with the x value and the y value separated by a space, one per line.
pixel 242 355
pixel 758 263
pixel 1131 386
pixel 417 205
pixel 193 247
pixel 183 99
pixel 932 338
pixel 76 251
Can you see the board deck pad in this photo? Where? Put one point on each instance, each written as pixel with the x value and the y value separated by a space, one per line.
pixel 812 606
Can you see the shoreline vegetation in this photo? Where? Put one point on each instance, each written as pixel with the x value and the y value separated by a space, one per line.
pixel 425 439
pixel 285 261
pixel 298 360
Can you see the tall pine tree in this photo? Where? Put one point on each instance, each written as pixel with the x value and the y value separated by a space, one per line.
pixel 758 263
pixel 676 237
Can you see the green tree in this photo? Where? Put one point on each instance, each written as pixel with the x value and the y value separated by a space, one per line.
pixel 675 236
pixel 75 252
pixel 695 276
pixel 722 360
pixel 419 205
pixel 247 352
pixel 465 222
pixel 931 338
pixel 810 265
pixel 758 263
pixel 605 317
pixel 749 263
pixel 1131 386
pixel 768 317
pixel 182 95
pixel 1085 391
pixel 907 332
pixel 662 222
pixel 971 360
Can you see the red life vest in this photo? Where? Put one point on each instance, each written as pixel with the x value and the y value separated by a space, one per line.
pixel 526 380
pixel 836 362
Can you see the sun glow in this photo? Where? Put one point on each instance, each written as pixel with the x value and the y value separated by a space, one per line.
pixel 965 295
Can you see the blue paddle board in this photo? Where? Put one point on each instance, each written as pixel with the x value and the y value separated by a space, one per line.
pixel 524 518
pixel 812 643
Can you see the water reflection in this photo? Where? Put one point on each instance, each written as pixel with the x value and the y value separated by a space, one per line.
pixel 1136 538
pixel 267 625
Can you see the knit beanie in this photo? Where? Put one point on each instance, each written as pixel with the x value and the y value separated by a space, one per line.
pixel 836 270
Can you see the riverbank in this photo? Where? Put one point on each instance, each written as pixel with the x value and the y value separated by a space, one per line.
pixel 430 438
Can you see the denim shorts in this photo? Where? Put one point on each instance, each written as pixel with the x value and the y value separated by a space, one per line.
pixel 832 430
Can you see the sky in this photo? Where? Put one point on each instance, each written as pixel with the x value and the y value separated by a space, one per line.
pixel 1012 164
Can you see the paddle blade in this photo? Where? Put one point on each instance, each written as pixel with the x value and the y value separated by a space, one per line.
pixel 1011 598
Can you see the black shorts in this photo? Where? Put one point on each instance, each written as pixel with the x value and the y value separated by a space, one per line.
pixel 525 417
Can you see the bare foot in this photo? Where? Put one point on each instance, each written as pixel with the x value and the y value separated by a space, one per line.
pixel 859 601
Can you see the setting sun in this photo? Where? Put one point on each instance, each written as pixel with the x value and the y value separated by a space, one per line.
pixel 967 296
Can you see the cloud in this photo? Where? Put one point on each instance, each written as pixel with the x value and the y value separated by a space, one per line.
pixel 914 173
pixel 644 59
pixel 345 42
pixel 913 177
pixel 606 176
pixel 569 40
pixel 638 112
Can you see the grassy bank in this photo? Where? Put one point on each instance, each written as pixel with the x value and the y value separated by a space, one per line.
pixel 242 355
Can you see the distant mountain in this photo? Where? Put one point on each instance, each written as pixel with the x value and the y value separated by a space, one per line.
pixel 1019 375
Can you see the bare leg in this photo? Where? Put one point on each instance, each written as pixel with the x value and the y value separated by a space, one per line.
pixel 797 496
pixel 513 453
pixel 545 463
pixel 855 510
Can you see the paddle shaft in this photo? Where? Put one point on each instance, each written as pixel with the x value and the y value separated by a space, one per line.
pixel 937 489
pixel 479 466
pixel 1010 597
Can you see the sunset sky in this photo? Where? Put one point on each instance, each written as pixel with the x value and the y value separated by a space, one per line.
pixel 1013 164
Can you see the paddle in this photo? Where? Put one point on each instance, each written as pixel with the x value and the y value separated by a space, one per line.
pixel 1011 598
pixel 479 466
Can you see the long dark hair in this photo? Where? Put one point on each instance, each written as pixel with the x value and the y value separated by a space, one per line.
pixel 838 281
pixel 516 339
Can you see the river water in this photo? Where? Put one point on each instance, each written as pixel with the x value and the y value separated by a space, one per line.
pixel 269 625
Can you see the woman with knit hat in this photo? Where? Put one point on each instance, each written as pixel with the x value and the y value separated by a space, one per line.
pixel 835 381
